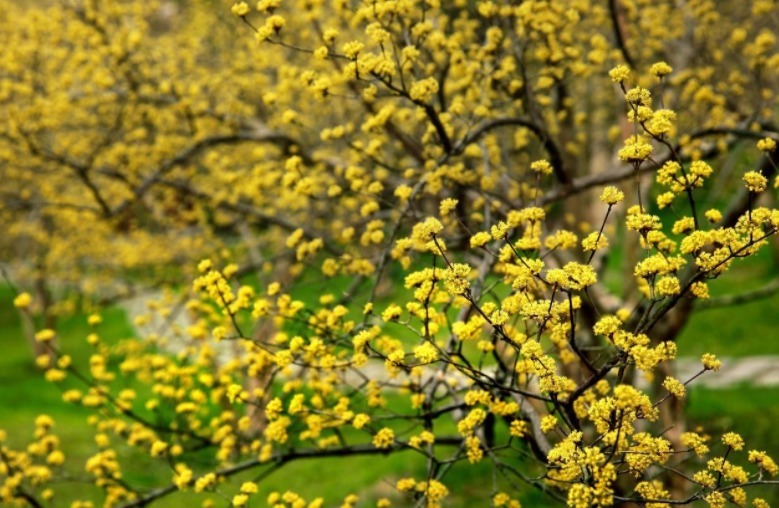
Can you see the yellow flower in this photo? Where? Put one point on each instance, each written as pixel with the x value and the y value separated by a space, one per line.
pixel 660 69
pixel 733 440
pixel 23 300
pixel 275 23
pixel 619 73
pixel 755 181
pixel 639 96
pixel 384 438
pixel 762 459
pixel 481 238
pixel 518 428
pixel 424 90
pixel 235 392
pixel 611 195
pixel 499 230
pixel 695 442
pixel 391 313
pixel 240 9
pixel 700 290
pixel 713 215
pixel 330 35
pixel 710 362
pixel 766 145
pixel 434 490
pixel 636 149
pixel 268 6
pixel 446 206
pixel 674 387
pixel 406 484
pixel 548 423
pixel 360 421
pixel 158 448
pixel 430 227
pixel 542 167
pixel 352 49
pixel 455 278
pixel 45 335
pixel 403 192
pixel 595 241
pixel 426 353
pixel 668 286
pixel 182 476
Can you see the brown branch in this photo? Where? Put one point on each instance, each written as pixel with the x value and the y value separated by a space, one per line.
pixel 740 298
pixel 625 171
pixel 616 23
pixel 186 156
pixel 280 459
pixel 248 210
pixel 81 170
pixel 555 155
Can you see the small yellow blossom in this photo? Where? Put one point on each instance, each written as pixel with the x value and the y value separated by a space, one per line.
pixel 611 195
pixel 733 440
pixel 595 241
pixel 45 335
pixel 426 353
pixel 674 387
pixel 23 300
pixel 710 362
pixel 638 96
pixel 240 9
pixel 518 428
pixel 481 238
pixel 406 484
pixel 321 53
pixel 619 73
pixel 352 49
pixel 700 290
pixel 713 215
pixel 542 167
pixel 360 421
pixel 446 206
pixel 391 313
pixel 660 69
pixel 548 423
pixel 755 181
pixel 668 286
pixel 455 278
pixel 384 438
pixel 765 462
pixel 636 149
pixel 424 90
pixel 766 145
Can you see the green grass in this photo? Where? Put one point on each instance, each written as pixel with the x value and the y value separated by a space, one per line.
pixel 739 330
pixel 749 411
pixel 730 331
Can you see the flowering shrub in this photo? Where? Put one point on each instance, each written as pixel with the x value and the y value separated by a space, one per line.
pixel 448 178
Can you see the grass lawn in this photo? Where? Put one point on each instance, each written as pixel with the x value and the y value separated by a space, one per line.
pixel 24 394
pixel 742 330
pixel 749 411
pixel 746 329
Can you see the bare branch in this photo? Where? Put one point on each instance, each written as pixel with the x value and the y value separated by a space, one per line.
pixel 765 291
